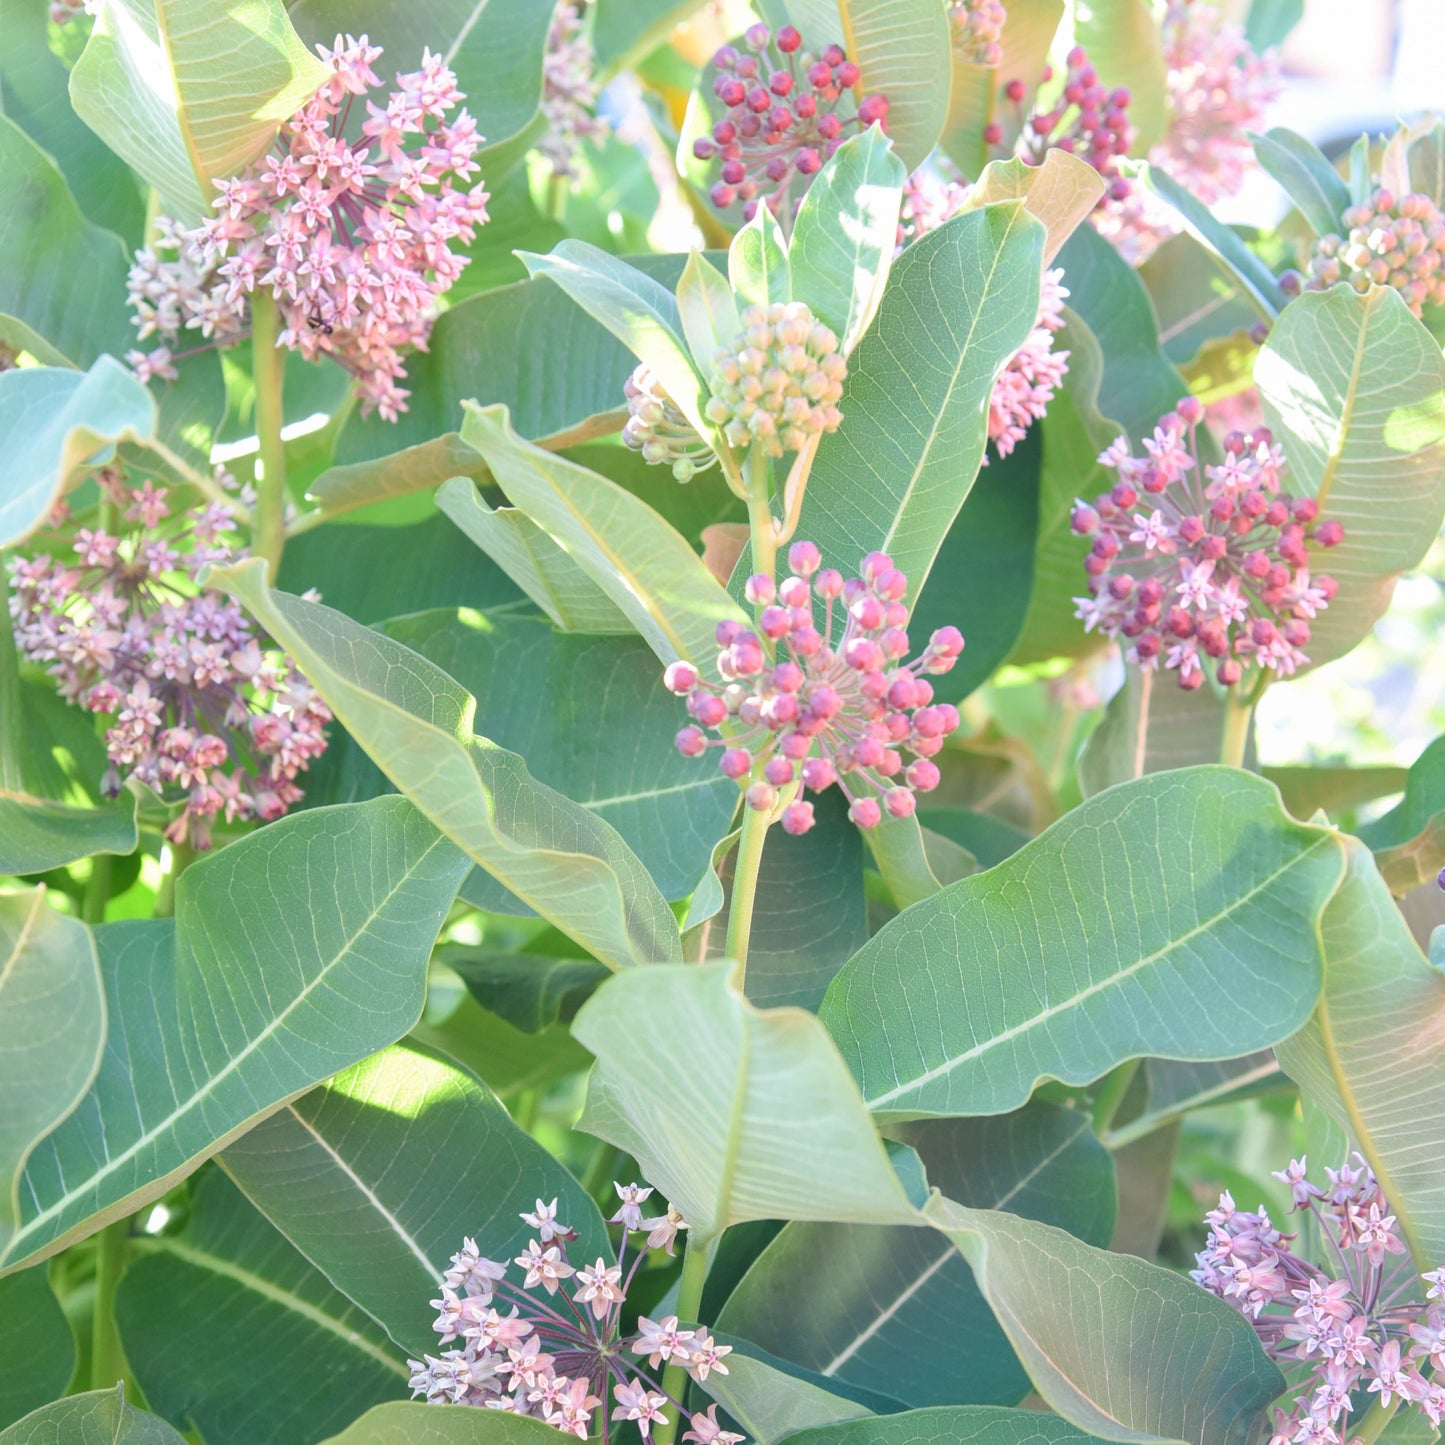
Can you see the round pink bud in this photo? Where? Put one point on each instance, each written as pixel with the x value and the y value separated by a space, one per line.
pixel 865 812
pixel 795 592
pixel 787 677
pixel 804 558
pixel 820 74
pixel 794 746
pixel 779 772
pixel 923 775
pixel 691 742
pixel 727 631
pixel 828 584
pixel 680 677
pixel 900 802
pixel 775 622
pixel 992 133
pixel 797 818
pixel 903 691
pixel 747 656
pixel 890 584
pixel 758 36
pixel 819 773
pixel 736 762
pixel 950 715
pixel 824 702
pixel 875 564
pixel 759 589
pixel 947 642
pixel 780 710
pixel 928 722
pixel 863 654
pixel 788 40
pixel 1330 534
pixel 1084 519
pixel 867 612
pixel 761 797
pixel 1190 410
pixel 707 708
pixel 1229 672
pixel 806 641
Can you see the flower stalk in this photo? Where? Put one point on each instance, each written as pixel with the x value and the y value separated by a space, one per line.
pixel 268 530
pixel 107 1364
pixel 689 1306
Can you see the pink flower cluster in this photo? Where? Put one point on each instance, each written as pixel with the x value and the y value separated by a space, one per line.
pixel 1392 242
pixel 569 91
pixel 530 1349
pixel 781 120
pixel 1334 1333
pixel 1194 563
pixel 199 707
pixel 351 238
pixel 1218 90
pixel 977 27
pixel 836 709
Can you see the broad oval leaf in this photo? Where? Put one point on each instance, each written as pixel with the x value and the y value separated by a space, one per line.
pixel 1307 175
pixel 37 834
pixel 1354 390
pixel 773 1130
pixel 417 1423
pixel 1124 45
pixel 293 953
pixel 1071 956
pixel 1061 192
pixel 62 281
pixel 635 556
pixel 956 1424
pixel 415 723
pixel 215 1320
pixel 348 1173
pixel 189 92
pixel 1101 1334
pixel 52 1031
pixel 1371 1056
pixel 99 1417
pixel 55 421
pixel 893 477
pixel 758 265
pixel 1409 840
pixel 37 1349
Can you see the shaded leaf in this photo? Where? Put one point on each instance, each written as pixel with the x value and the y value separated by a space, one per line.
pixel 416 724
pixel 348 1173
pixel 417 1423
pixel 529 990
pixel 214 1321
pixel 771 1400
pixel 1307 175
pixel 776 1133
pixel 1409 840
pixel 956 1424
pixel 99 1417
pixel 1354 391
pixel 37 834
pixel 37 1349
pixel 1335 789
pixel 1270 21
pixel 294 952
pixel 1124 46
pixel 1070 961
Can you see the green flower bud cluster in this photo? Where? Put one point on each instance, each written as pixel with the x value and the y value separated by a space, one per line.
pixel 658 429
pixel 1396 243
pixel 780 382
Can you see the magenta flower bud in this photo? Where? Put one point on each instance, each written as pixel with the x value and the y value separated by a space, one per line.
pixel 900 802
pixel 865 813
pixel 722 195
pixel 795 746
pixel 736 762
pixel 819 773
pixel 828 584
pixel 759 589
pixel 804 559
pixel 824 701
pixel 775 622
pixel 680 677
pixel 707 708
pixel 1329 534
pixel 1190 410
pixel 806 641
pixel 875 564
pixel 1084 519
pixel 867 612
pixel 726 58
pixel 874 108
pixel 758 36
pixel 903 692
pixel 923 775
pixel 863 654
pixel 779 772
pixel 727 631
pixel 747 656
pixel 691 741
pixel 928 722
pixel 761 797
pixel 947 641
pixel 894 642
pixel 820 75
pixel 797 818
pixel 787 677
pixel 788 40
pixel 795 593
pixel 992 133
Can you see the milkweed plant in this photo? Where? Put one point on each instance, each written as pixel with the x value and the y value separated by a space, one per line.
pixel 630 802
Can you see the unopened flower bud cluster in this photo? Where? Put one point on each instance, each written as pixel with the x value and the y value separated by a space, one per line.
pixel 657 428
pixel 1360 1330
pixel 977 28
pixel 781 119
pixel 817 701
pixel 1194 565
pixel 569 91
pixel 541 1335
pixel 200 708
pixel 1395 242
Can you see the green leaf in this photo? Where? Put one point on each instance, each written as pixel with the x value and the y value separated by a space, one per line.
pixel 1409 841
pixel 893 477
pixel 1061 192
pixel 758 265
pixel 215 1321
pixel 529 990
pixel 1071 960
pixel 1307 175
pixel 56 421
pixel 37 1349
pixel 1101 1334
pixel 1176 1088
pixel 416 725
pixel 348 1173
pixel 37 834
pixel 530 557
pixel 566 703
pixel 775 1130
pixel 900 853
pixel 851 1301
pixel 631 553
pixel 417 1423
pixel 845 234
pixel 956 1424
pixel 1199 303
pixel 1354 389
pixel 707 308
pixel 294 952
pixel 496 48
pixel 1370 1055
pixel 52 1031
pixel 1335 789
pixel 62 281
pixel 902 51
pixel 1124 46
pixel 772 1400
pixel 1270 21
pixel 189 93
pixel 100 1417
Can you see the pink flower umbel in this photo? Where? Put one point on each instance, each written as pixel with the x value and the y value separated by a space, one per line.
pixel 542 1350
pixel 1026 386
pixel 977 27
pixel 569 91
pixel 805 702
pixel 782 118
pixel 1392 242
pixel 200 709
pixel 1354 1330
pixel 351 238
pixel 1197 565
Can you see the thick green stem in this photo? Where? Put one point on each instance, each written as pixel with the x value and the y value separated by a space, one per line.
pixel 1112 1089
pixel 268 362
pixel 689 1303
pixel 107 1364
pixel 97 890
pixel 1373 1425
pixel 182 856
pixel 746 865
pixel 760 514
pixel 1237 713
